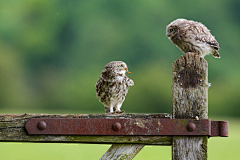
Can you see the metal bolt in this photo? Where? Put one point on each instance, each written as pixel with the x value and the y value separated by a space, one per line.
pixel 42 125
pixel 116 126
pixel 191 127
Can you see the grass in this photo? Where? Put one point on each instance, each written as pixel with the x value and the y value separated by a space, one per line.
pixel 219 148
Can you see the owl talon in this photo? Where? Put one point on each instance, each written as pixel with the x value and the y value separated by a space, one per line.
pixel 120 112
pixel 111 112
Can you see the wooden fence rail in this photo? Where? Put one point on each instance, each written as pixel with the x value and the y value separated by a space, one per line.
pixel 12 129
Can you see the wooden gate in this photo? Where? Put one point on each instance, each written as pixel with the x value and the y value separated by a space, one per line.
pixel 187 129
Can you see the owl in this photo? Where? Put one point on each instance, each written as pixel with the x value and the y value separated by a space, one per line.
pixel 192 36
pixel 112 86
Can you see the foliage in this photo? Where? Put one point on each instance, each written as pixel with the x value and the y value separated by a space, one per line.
pixel 52 52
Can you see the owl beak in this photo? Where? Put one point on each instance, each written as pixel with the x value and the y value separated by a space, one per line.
pixel 168 34
pixel 128 71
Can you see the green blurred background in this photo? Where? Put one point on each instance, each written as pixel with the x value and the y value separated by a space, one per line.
pixel 52 53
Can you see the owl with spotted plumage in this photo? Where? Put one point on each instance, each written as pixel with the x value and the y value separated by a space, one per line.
pixel 191 36
pixel 112 86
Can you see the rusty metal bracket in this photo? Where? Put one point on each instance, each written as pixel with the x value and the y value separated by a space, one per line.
pixel 126 126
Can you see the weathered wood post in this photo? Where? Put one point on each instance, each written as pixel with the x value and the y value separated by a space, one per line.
pixel 190 100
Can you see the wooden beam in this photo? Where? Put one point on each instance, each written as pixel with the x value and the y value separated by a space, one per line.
pixel 122 151
pixel 12 130
pixel 190 100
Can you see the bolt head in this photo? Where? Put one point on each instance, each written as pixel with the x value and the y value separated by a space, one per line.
pixel 42 125
pixel 116 126
pixel 191 127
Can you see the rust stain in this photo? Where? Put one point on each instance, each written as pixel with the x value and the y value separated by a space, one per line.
pixel 126 126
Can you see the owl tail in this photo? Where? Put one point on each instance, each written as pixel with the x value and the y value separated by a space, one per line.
pixel 216 54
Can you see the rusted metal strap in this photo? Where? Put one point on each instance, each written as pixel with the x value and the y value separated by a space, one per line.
pixel 219 128
pixel 126 126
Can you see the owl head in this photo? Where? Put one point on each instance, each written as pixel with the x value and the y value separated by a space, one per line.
pixel 173 28
pixel 115 69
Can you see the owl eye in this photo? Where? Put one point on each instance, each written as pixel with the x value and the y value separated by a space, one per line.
pixel 171 30
pixel 120 65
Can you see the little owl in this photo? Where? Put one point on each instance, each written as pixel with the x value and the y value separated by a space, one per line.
pixel 192 36
pixel 112 86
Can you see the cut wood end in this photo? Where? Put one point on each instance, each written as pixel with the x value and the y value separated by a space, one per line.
pixel 191 55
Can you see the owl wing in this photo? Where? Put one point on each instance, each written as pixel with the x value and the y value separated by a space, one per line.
pixel 98 84
pixel 130 82
pixel 209 39
pixel 100 87
pixel 204 35
pixel 214 44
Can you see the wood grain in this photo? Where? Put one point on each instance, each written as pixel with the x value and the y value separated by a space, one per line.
pixel 122 151
pixel 12 130
pixel 190 99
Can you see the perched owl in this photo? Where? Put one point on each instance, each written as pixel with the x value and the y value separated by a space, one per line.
pixel 192 36
pixel 112 86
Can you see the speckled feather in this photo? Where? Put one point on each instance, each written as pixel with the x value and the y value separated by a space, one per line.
pixel 113 85
pixel 191 36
